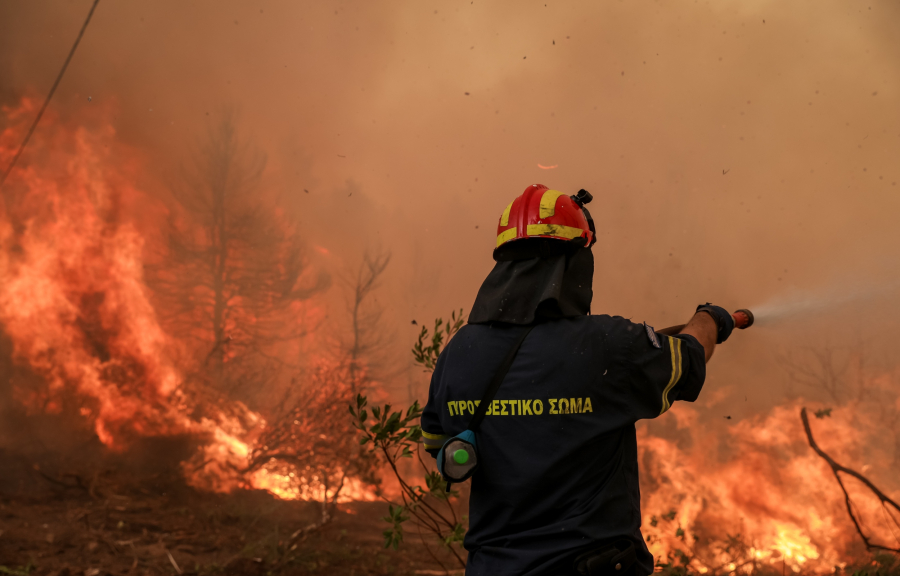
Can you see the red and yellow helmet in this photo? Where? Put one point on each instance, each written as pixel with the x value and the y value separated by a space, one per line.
pixel 543 213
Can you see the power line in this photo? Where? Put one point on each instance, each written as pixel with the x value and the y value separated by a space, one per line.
pixel 50 95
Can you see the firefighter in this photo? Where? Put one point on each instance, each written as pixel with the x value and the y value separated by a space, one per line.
pixel 555 491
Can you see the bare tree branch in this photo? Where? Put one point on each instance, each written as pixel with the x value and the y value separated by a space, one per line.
pixel 836 469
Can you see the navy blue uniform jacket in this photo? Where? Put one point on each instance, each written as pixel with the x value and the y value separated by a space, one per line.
pixel 558 467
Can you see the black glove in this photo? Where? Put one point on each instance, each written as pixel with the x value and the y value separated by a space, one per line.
pixel 724 321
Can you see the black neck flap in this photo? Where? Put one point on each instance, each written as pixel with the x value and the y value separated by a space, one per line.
pixel 536 279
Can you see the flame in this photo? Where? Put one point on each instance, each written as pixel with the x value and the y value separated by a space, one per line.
pixel 760 484
pixel 73 300
pixel 75 305
pixel 291 486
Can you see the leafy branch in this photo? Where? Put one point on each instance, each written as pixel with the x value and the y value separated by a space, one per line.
pixel 427 354
pixel 395 435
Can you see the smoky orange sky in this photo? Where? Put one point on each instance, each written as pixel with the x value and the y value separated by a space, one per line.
pixel 742 153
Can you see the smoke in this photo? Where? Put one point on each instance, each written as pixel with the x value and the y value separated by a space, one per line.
pixel 738 152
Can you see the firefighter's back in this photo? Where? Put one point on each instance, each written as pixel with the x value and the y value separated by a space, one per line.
pixel 557 450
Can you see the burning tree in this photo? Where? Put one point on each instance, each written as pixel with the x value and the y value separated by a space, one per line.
pixel 312 446
pixel 73 301
pixel 310 449
pixel 234 275
pixel 82 324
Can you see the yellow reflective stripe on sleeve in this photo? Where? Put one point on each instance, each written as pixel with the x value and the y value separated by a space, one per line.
pixel 553 230
pixel 504 219
pixel 506 236
pixel 433 440
pixel 675 349
pixel 548 202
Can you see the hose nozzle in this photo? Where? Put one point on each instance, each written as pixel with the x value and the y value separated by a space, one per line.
pixel 743 318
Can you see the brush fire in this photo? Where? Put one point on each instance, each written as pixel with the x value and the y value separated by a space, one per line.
pixel 80 315
pixel 229 241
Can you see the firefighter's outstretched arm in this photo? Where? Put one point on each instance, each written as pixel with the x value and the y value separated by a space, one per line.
pixel 710 325
pixel 703 328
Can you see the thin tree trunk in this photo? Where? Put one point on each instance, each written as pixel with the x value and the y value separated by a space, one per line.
pixel 220 270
